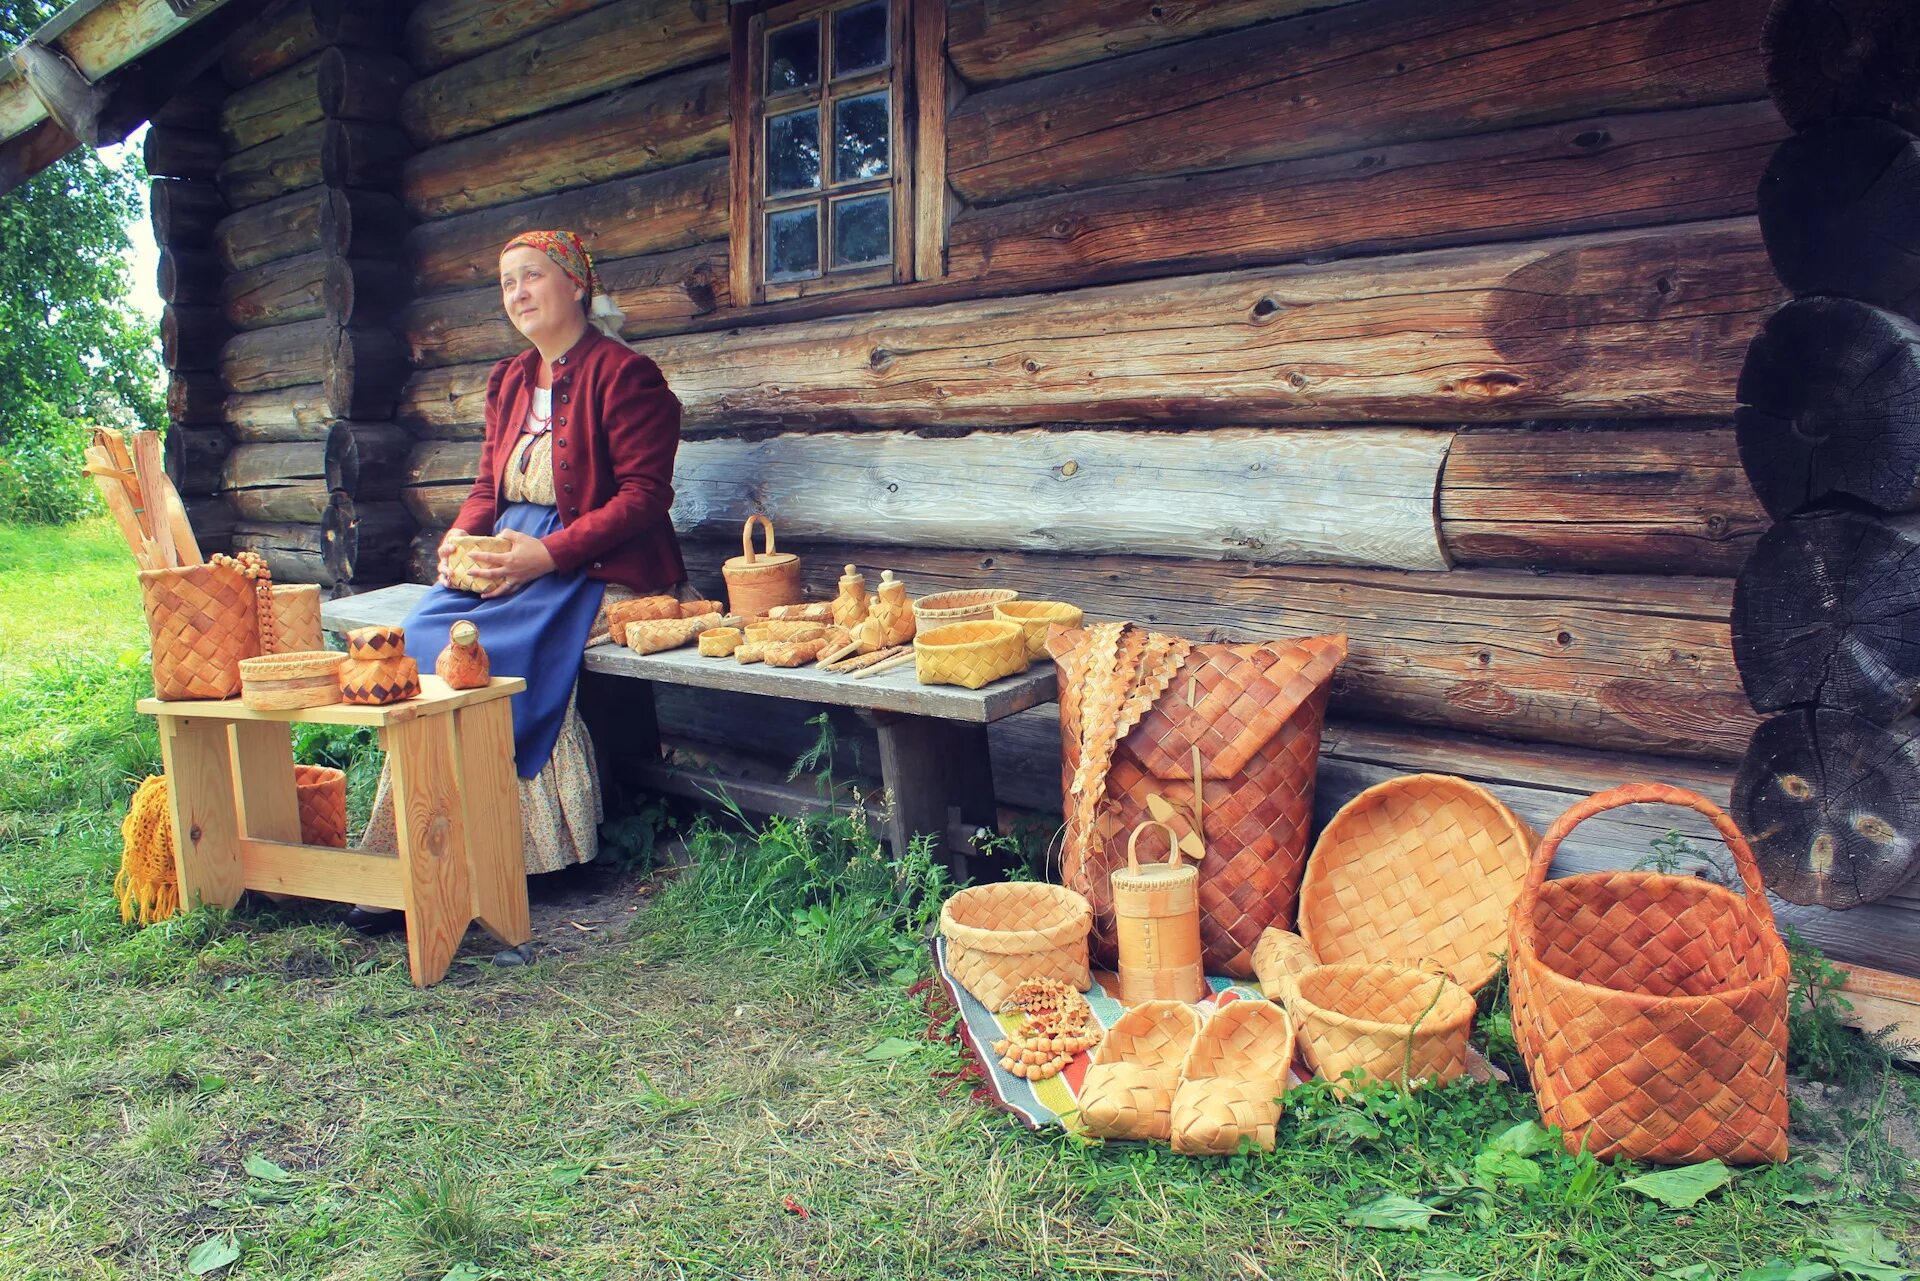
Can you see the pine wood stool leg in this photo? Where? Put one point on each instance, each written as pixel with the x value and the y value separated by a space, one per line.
pixel 433 843
pixel 490 801
pixel 198 758
pixel 263 769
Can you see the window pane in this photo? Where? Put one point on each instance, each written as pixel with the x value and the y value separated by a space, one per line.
pixel 860 38
pixel 793 57
pixel 860 127
pixel 863 230
pixel 793 243
pixel 793 151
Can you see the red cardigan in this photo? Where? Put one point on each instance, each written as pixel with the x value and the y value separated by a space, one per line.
pixel 616 427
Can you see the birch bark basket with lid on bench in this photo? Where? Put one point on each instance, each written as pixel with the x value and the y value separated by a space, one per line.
pixel 933 738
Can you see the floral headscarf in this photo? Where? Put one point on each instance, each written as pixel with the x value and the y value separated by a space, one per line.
pixel 565 248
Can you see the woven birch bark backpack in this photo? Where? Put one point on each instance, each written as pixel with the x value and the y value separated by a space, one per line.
pixel 1142 715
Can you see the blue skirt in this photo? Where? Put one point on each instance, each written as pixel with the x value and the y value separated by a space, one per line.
pixel 539 633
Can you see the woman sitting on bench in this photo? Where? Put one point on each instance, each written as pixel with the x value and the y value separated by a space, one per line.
pixel 577 474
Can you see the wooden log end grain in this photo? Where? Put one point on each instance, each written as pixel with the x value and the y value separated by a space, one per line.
pixel 1840 212
pixel 1830 407
pixel 1827 613
pixel 1831 805
pixel 1830 58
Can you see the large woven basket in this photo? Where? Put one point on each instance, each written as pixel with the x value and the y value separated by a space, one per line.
pixel 1035 617
pixel 1652 1009
pixel 757 581
pixel 461 564
pixel 203 620
pixel 1128 1090
pixel 323 805
pixel 1232 1080
pixel 1426 866
pixel 998 935
pixel 969 654
pixel 1391 1021
pixel 968 605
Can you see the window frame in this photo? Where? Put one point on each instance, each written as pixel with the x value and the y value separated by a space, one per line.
pixel 916 65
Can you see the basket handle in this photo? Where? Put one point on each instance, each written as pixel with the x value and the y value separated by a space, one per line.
pixel 1640 794
pixel 1133 844
pixel 746 537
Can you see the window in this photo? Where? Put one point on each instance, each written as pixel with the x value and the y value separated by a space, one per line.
pixel 828 148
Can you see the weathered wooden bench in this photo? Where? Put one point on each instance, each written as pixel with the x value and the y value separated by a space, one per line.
pixel 933 738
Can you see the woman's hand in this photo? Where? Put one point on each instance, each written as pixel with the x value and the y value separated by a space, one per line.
pixel 524 560
pixel 446 550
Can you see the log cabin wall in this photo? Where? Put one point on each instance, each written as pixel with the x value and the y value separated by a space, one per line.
pixel 1259 317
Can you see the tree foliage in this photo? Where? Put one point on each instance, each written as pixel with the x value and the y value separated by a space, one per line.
pixel 73 352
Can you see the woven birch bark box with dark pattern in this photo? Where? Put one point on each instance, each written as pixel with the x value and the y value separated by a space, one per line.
pixel 1142 716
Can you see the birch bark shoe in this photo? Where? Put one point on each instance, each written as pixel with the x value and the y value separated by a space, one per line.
pixel 1232 1080
pixel 1128 1091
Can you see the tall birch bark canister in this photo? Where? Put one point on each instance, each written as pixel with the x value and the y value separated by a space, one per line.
pixel 757 581
pixel 1156 911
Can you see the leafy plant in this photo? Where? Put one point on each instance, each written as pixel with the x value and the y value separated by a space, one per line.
pixel 1820 1043
pixel 632 840
pixel 1676 855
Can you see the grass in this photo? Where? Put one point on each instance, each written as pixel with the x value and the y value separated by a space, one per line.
pixel 711 1084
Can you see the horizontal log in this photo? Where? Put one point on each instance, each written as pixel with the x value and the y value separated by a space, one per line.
pixel 285 413
pixel 277 292
pixel 188 276
pixel 190 337
pixel 1831 58
pixel 440 33
pixel 1586 175
pixel 272 107
pixel 1372 72
pixel 1363 497
pixel 321 553
pixel 1608 661
pixel 1671 500
pixel 339 153
pixel 670 121
pixel 436 480
pixel 173 152
pixel 1840 213
pixel 302 28
pixel 444 404
pixel 282 356
pixel 356 223
pixel 290 482
pixel 381 449
pixel 193 399
pixel 184 210
pixel 195 457
pixel 383 536
pixel 994 41
pixel 212 522
pixel 194 105
pixel 365 368
pixel 603 49
pixel 659 293
pixel 673 209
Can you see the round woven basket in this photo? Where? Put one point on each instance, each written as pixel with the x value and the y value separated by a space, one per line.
pixel 296 618
pixel 282 682
pixel 969 654
pixel 322 792
pixel 998 935
pixel 1035 616
pixel 1427 865
pixel 972 605
pixel 1392 1022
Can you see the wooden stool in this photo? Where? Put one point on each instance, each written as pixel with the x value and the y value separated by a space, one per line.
pixel 236 815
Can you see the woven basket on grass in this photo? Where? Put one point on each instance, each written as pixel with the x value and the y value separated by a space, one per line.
pixel 969 605
pixel 1652 1008
pixel 1392 1021
pixel 203 619
pixel 1128 1089
pixel 969 654
pixel 461 564
pixel 323 805
pixel 998 935
pixel 1427 865
pixel 1034 617
pixel 1232 1080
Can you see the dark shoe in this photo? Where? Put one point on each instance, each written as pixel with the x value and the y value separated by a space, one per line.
pixel 375 922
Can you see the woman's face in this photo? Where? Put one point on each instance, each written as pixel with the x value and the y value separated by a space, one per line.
pixel 540 300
